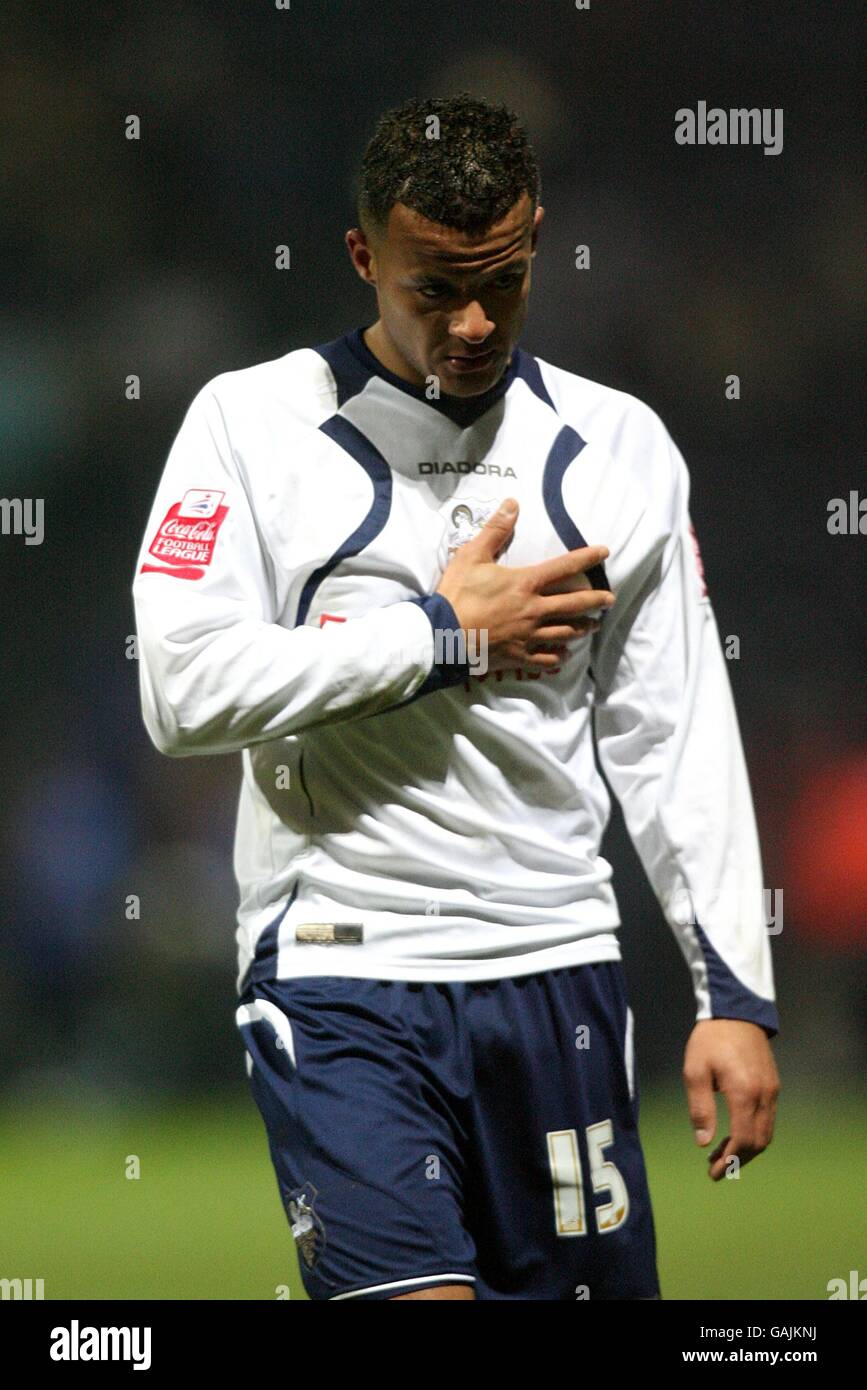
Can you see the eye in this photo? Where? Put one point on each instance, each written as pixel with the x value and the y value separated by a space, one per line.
pixel 508 282
pixel 431 291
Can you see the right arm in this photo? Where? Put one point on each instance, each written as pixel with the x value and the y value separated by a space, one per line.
pixel 217 673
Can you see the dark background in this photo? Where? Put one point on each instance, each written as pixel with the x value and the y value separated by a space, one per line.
pixel 156 257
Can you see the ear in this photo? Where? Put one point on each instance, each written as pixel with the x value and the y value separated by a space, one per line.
pixel 361 254
pixel 537 218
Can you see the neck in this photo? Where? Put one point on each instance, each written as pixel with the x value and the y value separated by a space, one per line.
pixel 378 342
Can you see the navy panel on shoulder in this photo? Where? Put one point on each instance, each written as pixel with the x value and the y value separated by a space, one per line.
pixel 349 438
pixel 566 447
pixel 527 369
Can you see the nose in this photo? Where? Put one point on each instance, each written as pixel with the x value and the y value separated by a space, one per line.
pixel 472 324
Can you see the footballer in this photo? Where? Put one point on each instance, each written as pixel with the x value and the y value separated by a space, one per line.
pixel 431 588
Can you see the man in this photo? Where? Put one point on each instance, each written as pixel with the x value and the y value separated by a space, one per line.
pixel 333 584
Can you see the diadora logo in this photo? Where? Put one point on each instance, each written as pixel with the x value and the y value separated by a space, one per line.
pixel 492 470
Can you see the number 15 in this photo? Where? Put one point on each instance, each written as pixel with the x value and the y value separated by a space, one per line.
pixel 565 1162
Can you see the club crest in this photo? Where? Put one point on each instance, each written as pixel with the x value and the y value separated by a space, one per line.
pixel 464 518
pixel 307 1229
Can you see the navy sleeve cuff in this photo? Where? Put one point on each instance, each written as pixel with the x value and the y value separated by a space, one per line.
pixel 730 997
pixel 765 1018
pixel 450 664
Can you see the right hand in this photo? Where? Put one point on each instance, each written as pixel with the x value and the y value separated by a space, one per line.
pixel 511 602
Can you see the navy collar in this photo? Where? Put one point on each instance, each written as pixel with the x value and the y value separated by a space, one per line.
pixel 462 410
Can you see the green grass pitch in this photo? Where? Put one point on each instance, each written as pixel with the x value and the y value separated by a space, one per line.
pixel 204 1221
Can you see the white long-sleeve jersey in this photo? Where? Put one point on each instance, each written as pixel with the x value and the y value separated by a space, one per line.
pixel 404 815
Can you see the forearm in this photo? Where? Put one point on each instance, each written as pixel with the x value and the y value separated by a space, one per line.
pixel 213 683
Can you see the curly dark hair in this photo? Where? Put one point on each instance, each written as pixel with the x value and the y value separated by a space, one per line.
pixel 467 177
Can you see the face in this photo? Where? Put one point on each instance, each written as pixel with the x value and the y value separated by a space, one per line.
pixel 451 305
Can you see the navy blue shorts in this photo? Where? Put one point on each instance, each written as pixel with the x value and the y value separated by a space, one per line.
pixel 480 1133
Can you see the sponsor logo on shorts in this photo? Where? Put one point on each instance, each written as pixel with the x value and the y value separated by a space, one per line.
pixel 330 933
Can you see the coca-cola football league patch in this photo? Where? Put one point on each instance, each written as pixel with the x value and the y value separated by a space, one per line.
pixel 185 541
